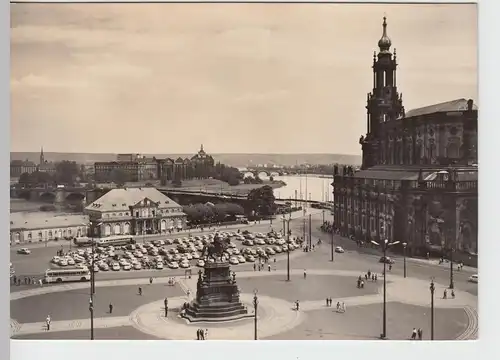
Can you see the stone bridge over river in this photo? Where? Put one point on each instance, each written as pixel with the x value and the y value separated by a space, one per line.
pixel 72 195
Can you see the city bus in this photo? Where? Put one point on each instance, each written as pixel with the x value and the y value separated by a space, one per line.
pixel 105 241
pixel 81 273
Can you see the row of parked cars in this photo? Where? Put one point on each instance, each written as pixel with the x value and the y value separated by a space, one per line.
pixel 175 253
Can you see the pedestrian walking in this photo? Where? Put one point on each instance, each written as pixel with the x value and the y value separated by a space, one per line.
pixel 452 294
pixel 205 337
pixel 419 333
pixel 47 322
pixel 305 273
pixel 338 306
pixel 198 334
pixel 369 273
pixel 140 291
pixel 376 277
pixel 445 294
pixel 274 260
pixel 327 301
pixel 366 277
pixel 150 280
pixel 268 267
pixel 297 303
pixel 414 334
pixel 40 281
pixel 390 267
pixel 254 266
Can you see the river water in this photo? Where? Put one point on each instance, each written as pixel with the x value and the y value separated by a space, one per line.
pixel 315 187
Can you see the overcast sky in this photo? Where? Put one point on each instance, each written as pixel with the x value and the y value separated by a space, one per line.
pixel 239 78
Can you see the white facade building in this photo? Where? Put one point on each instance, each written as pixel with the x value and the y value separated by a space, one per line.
pixel 35 227
pixel 135 211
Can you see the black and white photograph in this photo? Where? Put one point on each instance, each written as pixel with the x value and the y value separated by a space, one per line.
pixel 244 171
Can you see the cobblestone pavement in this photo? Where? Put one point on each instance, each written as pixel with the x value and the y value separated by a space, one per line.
pixel 277 316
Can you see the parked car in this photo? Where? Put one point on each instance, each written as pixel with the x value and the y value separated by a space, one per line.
pixel 339 250
pixel 473 279
pixel 386 259
pixel 24 251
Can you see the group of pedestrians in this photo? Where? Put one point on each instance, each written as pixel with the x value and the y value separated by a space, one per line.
pixel 202 334
pixel 371 276
pixel 26 280
pixel 445 294
pixel 416 333
pixel 260 267
pixel 308 248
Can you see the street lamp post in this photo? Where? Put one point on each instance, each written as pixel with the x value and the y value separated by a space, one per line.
pixel 255 305
pixel 310 231
pixel 92 246
pixel 432 288
pixel 404 259
pixel 91 309
pixel 385 245
pixel 452 285
pixel 331 243
pixel 443 245
pixel 288 249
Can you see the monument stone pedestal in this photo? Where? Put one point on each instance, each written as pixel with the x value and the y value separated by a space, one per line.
pixel 217 296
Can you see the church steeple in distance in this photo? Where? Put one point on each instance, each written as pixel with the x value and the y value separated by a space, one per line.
pixel 42 157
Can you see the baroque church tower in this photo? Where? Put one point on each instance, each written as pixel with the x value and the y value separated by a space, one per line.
pixel 384 103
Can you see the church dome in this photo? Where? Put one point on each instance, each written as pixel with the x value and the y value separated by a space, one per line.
pixel 384 43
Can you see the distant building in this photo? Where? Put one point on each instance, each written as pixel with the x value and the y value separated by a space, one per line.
pixel 200 166
pixel 147 168
pixel 46 166
pixel 127 157
pixel 36 227
pixel 418 180
pixel 142 168
pixel 135 211
pixel 104 170
pixel 18 167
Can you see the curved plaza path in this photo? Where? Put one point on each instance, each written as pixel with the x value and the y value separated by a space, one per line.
pixel 275 315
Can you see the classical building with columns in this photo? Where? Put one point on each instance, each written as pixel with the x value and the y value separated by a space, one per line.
pixel 135 211
pixel 418 179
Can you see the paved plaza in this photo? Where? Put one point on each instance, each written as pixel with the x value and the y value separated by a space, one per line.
pixel 408 307
pixel 142 317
